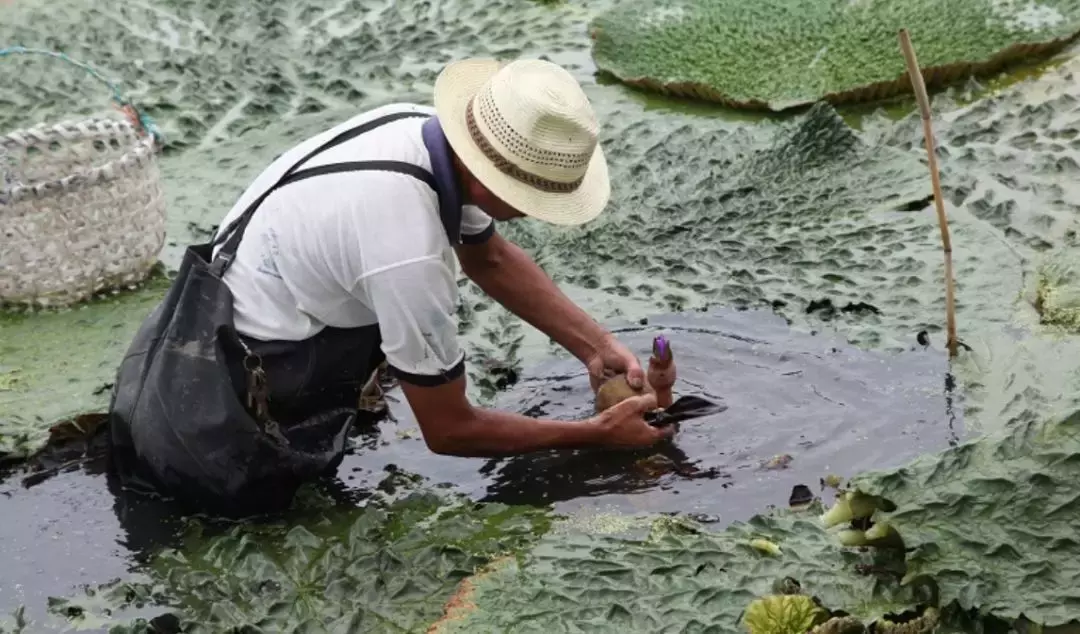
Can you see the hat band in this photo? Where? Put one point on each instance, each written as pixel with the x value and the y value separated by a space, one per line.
pixel 508 168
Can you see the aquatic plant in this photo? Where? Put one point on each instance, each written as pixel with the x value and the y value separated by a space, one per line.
pixel 388 567
pixel 986 527
pixel 779 54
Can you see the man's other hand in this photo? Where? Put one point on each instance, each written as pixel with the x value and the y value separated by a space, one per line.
pixel 612 357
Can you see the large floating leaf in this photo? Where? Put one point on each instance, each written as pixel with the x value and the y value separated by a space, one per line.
pixel 777 54
pixel 808 218
pixel 208 71
pixel 384 568
pixel 55 364
pixel 991 524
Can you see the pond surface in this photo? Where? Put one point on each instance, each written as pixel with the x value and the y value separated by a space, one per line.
pixel 830 408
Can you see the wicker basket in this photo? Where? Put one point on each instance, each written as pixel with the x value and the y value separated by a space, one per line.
pixel 82 210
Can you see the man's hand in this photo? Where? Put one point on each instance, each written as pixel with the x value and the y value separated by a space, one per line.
pixel 612 357
pixel 623 425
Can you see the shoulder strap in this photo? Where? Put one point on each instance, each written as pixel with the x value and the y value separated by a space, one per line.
pixel 234 232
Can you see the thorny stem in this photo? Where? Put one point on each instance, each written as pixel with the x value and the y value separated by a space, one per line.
pixel 939 203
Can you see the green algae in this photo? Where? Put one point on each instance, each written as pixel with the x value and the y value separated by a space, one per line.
pixel 58 363
pixel 780 54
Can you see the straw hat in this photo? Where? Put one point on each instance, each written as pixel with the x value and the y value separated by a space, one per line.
pixel 526 131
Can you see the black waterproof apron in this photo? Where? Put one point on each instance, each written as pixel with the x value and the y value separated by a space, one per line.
pixel 178 422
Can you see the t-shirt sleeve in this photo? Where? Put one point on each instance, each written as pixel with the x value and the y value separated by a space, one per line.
pixel 476 226
pixel 416 305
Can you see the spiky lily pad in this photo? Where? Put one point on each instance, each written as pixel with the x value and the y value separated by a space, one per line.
pixel 777 54
pixel 207 71
pixel 386 568
pixel 991 523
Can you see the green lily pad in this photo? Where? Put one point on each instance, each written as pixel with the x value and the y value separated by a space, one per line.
pixel 779 54
pixel 388 567
pixel 993 523
pixel 991 527
pixel 207 72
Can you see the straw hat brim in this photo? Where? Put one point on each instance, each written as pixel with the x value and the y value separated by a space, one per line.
pixel 455 86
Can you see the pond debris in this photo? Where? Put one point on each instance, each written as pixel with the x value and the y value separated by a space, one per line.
pixel 10 380
pixel 832 481
pixel 765 546
pixel 801 496
pixel 373 394
pixel 779 461
pixel 461 603
pixel 79 427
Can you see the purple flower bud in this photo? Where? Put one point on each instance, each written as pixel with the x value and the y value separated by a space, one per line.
pixel 660 348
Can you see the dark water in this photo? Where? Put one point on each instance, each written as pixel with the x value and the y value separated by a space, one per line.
pixel 832 408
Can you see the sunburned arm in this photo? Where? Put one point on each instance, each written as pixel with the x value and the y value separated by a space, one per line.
pixel 452 426
pixel 506 273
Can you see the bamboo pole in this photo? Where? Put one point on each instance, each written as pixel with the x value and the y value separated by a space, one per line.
pixel 919 86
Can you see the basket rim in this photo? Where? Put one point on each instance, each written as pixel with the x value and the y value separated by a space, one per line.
pixel 140 150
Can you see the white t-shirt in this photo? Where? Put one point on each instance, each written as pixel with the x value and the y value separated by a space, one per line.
pixel 356 248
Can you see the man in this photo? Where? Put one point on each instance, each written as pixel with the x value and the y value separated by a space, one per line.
pixel 337 272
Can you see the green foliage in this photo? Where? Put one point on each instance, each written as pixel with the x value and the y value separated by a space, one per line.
pixel 778 54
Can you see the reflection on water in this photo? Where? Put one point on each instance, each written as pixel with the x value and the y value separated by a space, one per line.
pixel 795 409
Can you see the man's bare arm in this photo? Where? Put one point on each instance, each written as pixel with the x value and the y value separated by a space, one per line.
pixel 452 426
pixel 506 273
